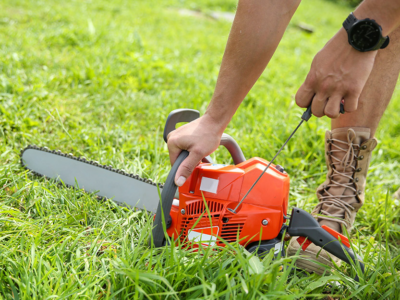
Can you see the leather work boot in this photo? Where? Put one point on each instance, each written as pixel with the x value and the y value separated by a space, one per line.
pixel 347 153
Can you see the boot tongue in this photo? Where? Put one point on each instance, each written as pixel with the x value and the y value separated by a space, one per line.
pixel 344 162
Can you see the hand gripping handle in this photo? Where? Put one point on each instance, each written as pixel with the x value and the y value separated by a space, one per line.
pixel 189 115
pixel 303 224
pixel 167 197
pixel 177 116
pixel 307 114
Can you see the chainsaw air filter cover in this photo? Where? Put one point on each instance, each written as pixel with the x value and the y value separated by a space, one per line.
pixel 259 218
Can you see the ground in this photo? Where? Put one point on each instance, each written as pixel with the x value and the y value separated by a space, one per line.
pixel 98 78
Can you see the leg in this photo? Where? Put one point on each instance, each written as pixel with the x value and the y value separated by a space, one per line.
pixel 347 162
pixel 348 150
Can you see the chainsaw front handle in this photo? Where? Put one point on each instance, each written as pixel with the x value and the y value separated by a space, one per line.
pixel 303 224
pixel 233 147
pixel 164 207
pixel 188 115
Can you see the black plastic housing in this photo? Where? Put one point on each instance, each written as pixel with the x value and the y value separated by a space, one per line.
pixel 303 224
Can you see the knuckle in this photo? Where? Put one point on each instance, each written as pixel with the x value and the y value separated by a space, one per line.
pixel 171 138
pixel 351 108
pixel 331 113
pixel 311 79
pixel 299 101
pixel 299 97
pixel 196 152
pixel 351 102
pixel 325 86
pixel 353 89
pixel 187 168
pixel 318 113
pixel 170 144
pixel 319 101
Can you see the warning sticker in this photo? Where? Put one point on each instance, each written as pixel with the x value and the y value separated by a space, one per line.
pixel 209 185
pixel 205 236
pixel 213 167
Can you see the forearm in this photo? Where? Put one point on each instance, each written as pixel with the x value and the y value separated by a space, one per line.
pixel 256 32
pixel 339 72
pixel 385 12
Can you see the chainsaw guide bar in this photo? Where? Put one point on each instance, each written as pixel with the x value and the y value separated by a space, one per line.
pixel 117 185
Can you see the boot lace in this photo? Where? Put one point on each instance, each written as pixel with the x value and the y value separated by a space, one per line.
pixel 348 166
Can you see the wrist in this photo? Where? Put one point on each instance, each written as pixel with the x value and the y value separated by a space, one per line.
pixel 366 10
pixel 218 123
pixel 365 35
pixel 343 39
pixel 353 30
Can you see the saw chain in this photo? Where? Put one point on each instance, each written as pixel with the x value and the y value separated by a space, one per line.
pixel 84 160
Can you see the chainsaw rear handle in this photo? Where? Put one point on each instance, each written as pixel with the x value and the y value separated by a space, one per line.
pixel 303 224
pixel 164 207
pixel 233 147
pixel 188 115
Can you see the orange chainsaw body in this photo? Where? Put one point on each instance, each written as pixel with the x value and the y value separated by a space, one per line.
pixel 223 187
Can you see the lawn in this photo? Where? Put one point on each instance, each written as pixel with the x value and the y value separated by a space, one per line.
pixel 98 79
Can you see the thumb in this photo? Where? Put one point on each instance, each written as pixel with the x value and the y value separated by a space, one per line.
pixel 186 168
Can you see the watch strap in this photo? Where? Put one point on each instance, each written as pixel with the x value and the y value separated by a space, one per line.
pixel 385 43
pixel 350 20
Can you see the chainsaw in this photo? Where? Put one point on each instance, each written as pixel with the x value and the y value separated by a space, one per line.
pixel 246 202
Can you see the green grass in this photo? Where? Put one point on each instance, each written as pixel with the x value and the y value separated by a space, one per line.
pixel 98 78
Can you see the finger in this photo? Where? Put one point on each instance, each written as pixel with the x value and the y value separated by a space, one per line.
pixel 318 105
pixel 351 103
pixel 186 168
pixel 304 95
pixel 169 134
pixel 332 107
pixel 173 149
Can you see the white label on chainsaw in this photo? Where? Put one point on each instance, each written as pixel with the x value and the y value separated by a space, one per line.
pixel 175 202
pixel 278 248
pixel 213 167
pixel 209 185
pixel 205 236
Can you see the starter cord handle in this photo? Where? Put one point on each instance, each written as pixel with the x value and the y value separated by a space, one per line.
pixel 307 114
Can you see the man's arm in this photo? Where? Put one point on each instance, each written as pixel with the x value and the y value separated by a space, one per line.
pixel 385 12
pixel 256 32
pixel 339 71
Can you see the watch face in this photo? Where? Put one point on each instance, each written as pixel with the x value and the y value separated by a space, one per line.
pixel 365 35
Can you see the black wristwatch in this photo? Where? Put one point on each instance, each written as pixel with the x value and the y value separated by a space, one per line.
pixel 365 35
